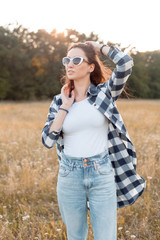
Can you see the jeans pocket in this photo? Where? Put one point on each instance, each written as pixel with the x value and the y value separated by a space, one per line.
pixel 105 168
pixel 64 169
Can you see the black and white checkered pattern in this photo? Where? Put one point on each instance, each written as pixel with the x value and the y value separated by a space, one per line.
pixel 121 150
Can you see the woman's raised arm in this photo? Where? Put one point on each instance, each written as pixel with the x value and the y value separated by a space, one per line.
pixel 121 73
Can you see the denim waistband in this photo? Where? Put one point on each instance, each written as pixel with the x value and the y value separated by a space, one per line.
pixel 80 161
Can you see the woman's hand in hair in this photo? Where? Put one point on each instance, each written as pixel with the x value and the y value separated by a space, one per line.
pixel 95 45
pixel 66 100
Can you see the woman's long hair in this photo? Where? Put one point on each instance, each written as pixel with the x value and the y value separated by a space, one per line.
pixel 100 74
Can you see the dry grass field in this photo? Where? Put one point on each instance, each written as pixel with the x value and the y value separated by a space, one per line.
pixel 28 174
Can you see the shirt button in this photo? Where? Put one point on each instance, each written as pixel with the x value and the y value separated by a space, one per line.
pixel 85 165
pixel 94 104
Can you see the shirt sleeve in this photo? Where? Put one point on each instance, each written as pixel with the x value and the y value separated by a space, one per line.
pixel 120 74
pixel 49 139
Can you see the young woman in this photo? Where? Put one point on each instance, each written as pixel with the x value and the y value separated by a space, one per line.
pixel 96 156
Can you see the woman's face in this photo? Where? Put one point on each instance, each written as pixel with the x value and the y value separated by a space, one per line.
pixel 80 71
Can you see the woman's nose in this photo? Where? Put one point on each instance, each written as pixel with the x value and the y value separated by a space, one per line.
pixel 70 64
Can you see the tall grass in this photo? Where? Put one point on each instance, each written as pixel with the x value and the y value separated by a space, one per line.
pixel 28 174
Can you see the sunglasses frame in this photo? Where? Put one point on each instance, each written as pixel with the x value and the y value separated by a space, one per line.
pixel 71 59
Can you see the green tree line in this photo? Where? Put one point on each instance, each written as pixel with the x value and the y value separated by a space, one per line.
pixel 31 67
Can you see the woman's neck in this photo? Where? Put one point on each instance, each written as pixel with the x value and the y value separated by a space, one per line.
pixel 81 89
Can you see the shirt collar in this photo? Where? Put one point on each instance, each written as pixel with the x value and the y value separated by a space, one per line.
pixel 92 89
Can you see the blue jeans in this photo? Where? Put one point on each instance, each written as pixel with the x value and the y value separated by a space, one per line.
pixel 87 179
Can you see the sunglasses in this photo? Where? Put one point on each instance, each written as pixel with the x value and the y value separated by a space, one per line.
pixel 76 60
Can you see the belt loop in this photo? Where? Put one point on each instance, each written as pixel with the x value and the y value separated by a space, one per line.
pixel 72 166
pixel 95 166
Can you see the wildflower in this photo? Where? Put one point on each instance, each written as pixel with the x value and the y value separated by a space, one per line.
pixel 149 177
pixel 58 229
pixel 18 168
pixel 133 236
pixel 25 217
pixel 48 169
pixel 14 143
pixel 120 228
pixel 6 223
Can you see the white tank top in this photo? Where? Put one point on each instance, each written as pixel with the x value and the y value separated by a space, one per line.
pixel 85 130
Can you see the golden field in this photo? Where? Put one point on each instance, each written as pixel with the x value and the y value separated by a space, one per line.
pixel 28 173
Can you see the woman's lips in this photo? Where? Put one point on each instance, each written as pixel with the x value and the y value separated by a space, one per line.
pixel 70 72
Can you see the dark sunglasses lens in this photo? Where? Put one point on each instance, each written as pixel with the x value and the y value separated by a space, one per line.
pixel 76 60
pixel 65 61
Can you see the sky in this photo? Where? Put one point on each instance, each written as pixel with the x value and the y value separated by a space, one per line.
pixel 128 22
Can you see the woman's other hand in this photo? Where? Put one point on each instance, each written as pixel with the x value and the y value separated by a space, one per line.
pixel 95 45
pixel 66 100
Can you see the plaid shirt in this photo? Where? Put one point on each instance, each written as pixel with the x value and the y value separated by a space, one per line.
pixel 103 97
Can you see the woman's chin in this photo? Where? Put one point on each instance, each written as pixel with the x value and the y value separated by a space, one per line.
pixel 70 77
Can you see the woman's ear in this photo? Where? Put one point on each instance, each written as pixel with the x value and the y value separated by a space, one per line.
pixel 92 67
